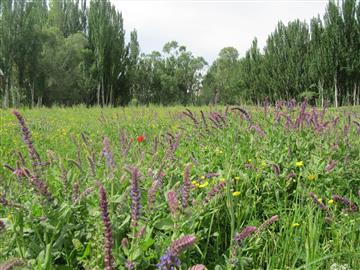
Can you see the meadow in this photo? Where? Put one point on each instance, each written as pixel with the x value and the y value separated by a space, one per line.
pixel 180 188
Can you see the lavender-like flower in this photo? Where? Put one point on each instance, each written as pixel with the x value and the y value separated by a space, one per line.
pixel 351 206
pixel 291 175
pixel 215 190
pixel 258 130
pixel 330 166
pixel 108 259
pixel 268 222
pixel 244 113
pixel 39 185
pixel 173 202
pixel 140 233
pixel 359 193
pixel 75 192
pixel 185 191
pixel 197 267
pixel 84 194
pixel 170 259
pixel 152 193
pixel 11 264
pixel 135 197
pixel 246 232
pixel 2 225
pixel 276 169
pixel 106 152
pixel 34 155
pixel 318 202
pixel 130 265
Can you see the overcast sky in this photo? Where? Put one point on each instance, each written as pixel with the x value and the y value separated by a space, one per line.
pixel 205 27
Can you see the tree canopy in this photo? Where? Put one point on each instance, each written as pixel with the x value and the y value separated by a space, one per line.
pixel 75 51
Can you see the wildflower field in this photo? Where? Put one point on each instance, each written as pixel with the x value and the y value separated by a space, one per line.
pixel 180 188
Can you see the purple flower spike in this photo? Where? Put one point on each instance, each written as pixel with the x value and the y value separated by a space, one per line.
pixel 246 232
pixel 135 196
pixel 108 259
pixel 2 225
pixel 106 152
pixel 172 202
pixel 34 155
pixel 170 259
pixel 351 207
pixel 318 202
pixel 215 190
pixel 185 191
pixel 268 222
pixel 329 167
pixel 197 267
pixel 276 169
pixel 181 244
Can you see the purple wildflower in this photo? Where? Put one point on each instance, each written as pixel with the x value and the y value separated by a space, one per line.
pixel 351 206
pixel 215 190
pixel 140 233
pixel 125 243
pixel 129 265
pixel 84 194
pixel 106 152
pixel 330 166
pixel 246 232
pixel 170 259
pixel 2 225
pixel 75 192
pixel 197 267
pixel 268 222
pixel 244 113
pixel 276 169
pixel 172 202
pixel 291 175
pixel 318 202
pixel 39 185
pixel 135 197
pixel 185 191
pixel 34 155
pixel 258 130
pixel 108 259
pixel 11 264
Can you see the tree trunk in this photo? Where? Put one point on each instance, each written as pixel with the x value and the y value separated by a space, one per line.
pixel 111 95
pixel 39 102
pixel 98 95
pixel 102 92
pixel 33 95
pixel 354 96
pixel 336 91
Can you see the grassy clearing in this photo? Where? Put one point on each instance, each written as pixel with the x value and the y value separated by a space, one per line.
pixel 256 168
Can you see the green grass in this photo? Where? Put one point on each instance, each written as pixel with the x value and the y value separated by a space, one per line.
pixel 62 234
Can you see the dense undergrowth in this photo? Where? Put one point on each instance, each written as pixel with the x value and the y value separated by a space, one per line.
pixel 145 188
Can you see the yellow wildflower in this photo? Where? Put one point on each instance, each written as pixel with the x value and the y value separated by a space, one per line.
pixel 299 164
pixel 202 177
pixel 203 185
pixel 263 164
pixel 236 193
pixel 222 179
pixel 311 177
pixel 330 202
pixel 294 225
pixel 237 178
pixel 249 160
pixel 319 200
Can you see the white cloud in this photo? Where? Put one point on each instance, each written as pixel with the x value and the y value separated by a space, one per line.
pixel 205 27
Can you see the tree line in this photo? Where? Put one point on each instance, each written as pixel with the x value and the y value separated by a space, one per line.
pixel 71 52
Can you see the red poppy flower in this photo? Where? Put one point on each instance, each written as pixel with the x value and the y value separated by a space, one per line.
pixel 140 138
